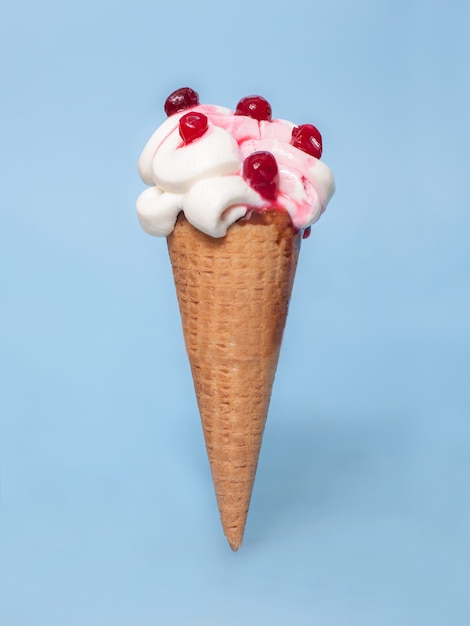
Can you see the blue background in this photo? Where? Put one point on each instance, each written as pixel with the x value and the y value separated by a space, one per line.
pixel 360 513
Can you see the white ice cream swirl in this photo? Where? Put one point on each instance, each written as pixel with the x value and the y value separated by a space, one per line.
pixel 204 178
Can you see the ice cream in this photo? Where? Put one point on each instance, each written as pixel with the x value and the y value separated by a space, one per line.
pixel 234 192
pixel 204 177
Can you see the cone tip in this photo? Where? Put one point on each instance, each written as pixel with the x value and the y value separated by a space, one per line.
pixel 234 538
pixel 235 545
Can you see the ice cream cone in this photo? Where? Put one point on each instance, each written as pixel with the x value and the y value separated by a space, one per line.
pixel 233 294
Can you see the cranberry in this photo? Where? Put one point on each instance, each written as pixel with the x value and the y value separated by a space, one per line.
pixel 255 107
pixel 307 137
pixel 180 100
pixel 261 172
pixel 192 126
pixel 306 233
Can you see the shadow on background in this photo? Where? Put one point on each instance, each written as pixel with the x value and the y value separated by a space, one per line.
pixel 313 469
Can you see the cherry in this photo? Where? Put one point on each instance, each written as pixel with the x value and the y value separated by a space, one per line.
pixel 255 107
pixel 180 100
pixel 306 233
pixel 261 172
pixel 307 137
pixel 192 126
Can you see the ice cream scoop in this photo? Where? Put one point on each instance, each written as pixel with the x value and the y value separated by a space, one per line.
pixel 210 148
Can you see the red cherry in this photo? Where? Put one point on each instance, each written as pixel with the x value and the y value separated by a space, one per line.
pixel 180 100
pixel 255 107
pixel 261 172
pixel 192 126
pixel 306 233
pixel 307 137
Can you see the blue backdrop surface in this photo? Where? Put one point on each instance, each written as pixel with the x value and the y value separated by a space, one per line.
pixel 360 514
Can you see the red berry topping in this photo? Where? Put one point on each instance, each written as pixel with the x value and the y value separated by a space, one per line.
pixel 307 137
pixel 261 172
pixel 306 233
pixel 255 107
pixel 192 126
pixel 180 100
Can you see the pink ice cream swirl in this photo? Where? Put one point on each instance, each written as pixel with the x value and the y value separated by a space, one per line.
pixel 215 165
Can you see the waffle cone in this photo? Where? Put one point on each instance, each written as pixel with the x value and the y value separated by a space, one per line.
pixel 233 295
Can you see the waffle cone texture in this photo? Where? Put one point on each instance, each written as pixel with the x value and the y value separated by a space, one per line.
pixel 233 294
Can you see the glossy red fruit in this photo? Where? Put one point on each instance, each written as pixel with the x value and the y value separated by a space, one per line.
pixel 306 233
pixel 180 100
pixel 261 172
pixel 307 137
pixel 255 107
pixel 192 126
